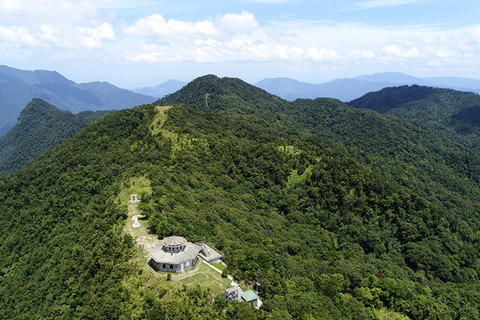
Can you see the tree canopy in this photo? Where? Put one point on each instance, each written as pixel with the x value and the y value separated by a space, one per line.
pixel 331 229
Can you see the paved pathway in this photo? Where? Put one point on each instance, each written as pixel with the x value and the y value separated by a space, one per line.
pixel 213 267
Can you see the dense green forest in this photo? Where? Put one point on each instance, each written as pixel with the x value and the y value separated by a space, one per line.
pixel 337 212
pixel 449 161
pixel 451 114
pixel 39 128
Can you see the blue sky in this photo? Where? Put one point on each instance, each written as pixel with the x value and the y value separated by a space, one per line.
pixel 144 43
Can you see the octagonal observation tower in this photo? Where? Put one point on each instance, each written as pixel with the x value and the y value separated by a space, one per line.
pixel 176 254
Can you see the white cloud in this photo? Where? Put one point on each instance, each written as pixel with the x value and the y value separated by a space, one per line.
pixel 239 38
pixel 322 42
pixel 396 52
pixel 232 37
pixel 323 54
pixel 47 35
pixel 233 23
pixel 208 51
pixel 476 33
pixel 52 23
pixel 66 27
pixel 10 5
pixel 47 11
pixel 155 26
pixel 16 36
pixel 392 51
pixel 358 54
pixel 93 37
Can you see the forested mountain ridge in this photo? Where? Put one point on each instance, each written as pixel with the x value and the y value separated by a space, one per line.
pixel 19 87
pixel 444 160
pixel 328 234
pixel 417 103
pixel 433 108
pixel 40 127
pixel 310 198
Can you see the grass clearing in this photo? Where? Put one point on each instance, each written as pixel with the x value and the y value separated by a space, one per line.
pixel 385 314
pixel 218 265
pixel 137 185
pixel 159 120
pixel 290 149
pixel 141 234
pixel 203 276
pixel 157 126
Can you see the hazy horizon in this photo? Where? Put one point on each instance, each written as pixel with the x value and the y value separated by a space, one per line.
pixel 146 43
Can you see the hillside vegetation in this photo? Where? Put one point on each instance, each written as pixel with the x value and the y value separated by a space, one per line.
pixel 451 114
pixel 445 160
pixel 332 225
pixel 39 128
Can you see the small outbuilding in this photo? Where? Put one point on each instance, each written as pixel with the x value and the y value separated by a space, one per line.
pixel 250 297
pixel 233 293
pixel 208 253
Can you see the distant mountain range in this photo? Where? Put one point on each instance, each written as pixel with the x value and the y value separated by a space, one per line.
pixel 351 88
pixel 163 89
pixel 19 87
